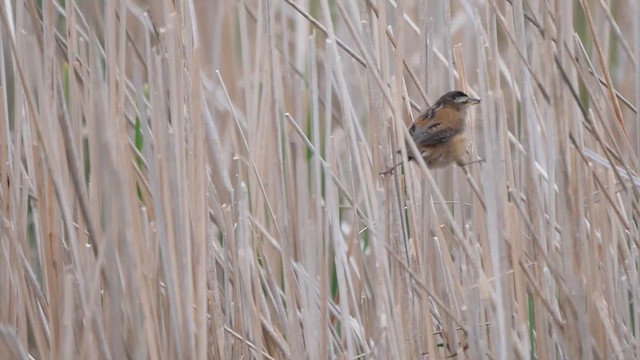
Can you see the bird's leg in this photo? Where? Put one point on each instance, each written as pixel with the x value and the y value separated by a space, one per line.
pixel 390 170
pixel 463 164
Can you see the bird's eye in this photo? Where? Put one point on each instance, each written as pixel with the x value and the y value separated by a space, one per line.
pixel 461 99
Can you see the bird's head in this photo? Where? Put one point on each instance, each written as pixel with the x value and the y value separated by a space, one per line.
pixel 457 99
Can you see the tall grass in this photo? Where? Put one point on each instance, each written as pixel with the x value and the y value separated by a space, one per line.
pixel 200 179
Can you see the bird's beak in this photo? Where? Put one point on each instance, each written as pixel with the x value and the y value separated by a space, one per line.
pixel 473 101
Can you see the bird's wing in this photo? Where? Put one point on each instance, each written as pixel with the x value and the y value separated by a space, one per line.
pixel 433 134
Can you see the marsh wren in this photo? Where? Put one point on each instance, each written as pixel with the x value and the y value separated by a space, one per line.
pixel 439 132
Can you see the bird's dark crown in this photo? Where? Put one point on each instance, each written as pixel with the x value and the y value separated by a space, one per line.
pixel 456 99
pixel 451 96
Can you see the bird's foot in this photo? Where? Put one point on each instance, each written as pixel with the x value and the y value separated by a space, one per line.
pixel 480 160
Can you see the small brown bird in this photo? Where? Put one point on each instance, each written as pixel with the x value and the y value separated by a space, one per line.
pixel 439 132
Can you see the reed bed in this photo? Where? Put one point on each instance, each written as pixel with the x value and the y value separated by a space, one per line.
pixel 200 180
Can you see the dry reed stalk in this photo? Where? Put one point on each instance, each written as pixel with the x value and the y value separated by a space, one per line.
pixel 200 180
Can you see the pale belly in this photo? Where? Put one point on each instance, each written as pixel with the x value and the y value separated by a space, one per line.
pixel 443 155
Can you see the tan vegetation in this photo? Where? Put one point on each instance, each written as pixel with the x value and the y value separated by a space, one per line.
pixel 200 179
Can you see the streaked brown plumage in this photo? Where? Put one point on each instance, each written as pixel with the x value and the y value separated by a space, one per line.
pixel 439 132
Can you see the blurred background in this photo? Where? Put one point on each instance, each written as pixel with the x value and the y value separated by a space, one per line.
pixel 201 180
